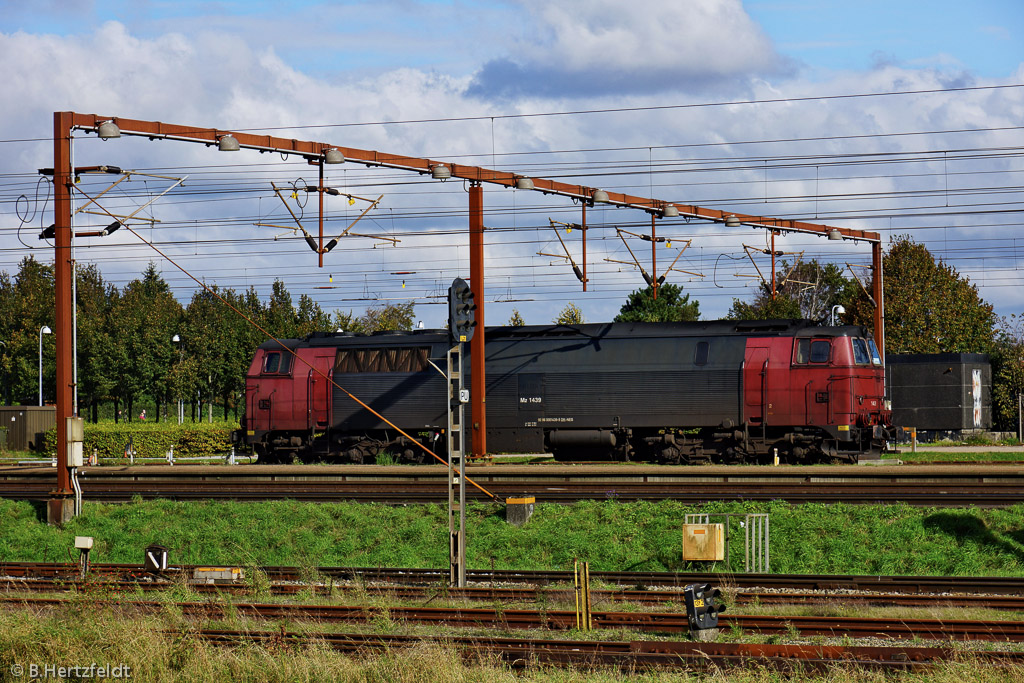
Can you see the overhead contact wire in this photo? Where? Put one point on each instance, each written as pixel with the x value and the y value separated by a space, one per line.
pixel 299 358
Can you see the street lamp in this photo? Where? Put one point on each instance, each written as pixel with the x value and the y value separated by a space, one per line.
pixel 837 310
pixel 42 330
pixel 181 409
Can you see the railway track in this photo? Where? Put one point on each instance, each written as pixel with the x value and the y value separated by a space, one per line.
pixel 519 595
pixel 640 581
pixel 631 655
pixel 563 620
pixel 941 486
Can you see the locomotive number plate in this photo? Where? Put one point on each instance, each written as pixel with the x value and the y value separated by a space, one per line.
pixel 531 394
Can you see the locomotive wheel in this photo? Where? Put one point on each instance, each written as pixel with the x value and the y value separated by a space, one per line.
pixel 563 455
pixel 414 456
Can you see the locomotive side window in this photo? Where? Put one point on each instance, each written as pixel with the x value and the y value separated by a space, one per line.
pixel 277 363
pixel 876 359
pixel 860 352
pixel 812 351
pixel 803 348
pixel 700 357
pixel 382 360
pixel 820 349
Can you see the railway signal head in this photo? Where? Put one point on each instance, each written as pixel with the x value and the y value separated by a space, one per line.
pixel 702 605
pixel 461 311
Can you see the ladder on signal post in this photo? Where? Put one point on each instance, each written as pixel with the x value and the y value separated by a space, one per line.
pixel 457 398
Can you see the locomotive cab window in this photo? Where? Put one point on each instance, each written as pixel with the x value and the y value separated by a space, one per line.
pixel 875 358
pixel 277 363
pixel 700 356
pixel 860 352
pixel 812 351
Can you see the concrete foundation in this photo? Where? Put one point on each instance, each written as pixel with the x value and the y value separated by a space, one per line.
pixel 705 635
pixel 518 510
pixel 60 511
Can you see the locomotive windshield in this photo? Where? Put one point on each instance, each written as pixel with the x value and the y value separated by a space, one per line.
pixel 876 359
pixel 860 352
pixel 277 363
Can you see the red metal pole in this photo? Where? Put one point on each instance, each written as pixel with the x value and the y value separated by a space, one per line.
pixel 61 504
pixel 877 292
pixel 773 265
pixel 654 261
pixel 476 346
pixel 320 191
pixel 583 227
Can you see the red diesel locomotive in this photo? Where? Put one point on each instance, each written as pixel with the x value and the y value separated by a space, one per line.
pixel 722 391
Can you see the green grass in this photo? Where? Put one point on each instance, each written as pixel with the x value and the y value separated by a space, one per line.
pixel 162 647
pixel 612 536
pixel 924 454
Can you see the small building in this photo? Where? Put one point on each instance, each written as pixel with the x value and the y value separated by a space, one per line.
pixel 940 392
pixel 25 426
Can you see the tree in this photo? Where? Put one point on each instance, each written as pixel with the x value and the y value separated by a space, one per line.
pixel 670 306
pixel 380 318
pixel 146 317
pixel 516 320
pixel 207 340
pixel 764 307
pixel 95 301
pixel 570 315
pixel 310 317
pixel 6 330
pixel 279 315
pixel 389 317
pixel 26 304
pixel 1008 372
pixel 807 290
pixel 930 307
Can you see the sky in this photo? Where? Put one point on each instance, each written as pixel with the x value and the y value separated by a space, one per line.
pixel 892 117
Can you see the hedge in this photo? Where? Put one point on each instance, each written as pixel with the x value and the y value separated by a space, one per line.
pixel 152 440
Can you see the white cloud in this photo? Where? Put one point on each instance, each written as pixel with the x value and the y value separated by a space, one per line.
pixel 230 81
pixel 593 47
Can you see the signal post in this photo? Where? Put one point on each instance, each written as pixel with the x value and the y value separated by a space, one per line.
pixel 461 329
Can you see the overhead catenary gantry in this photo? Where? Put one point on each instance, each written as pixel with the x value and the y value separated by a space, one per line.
pixel 318 154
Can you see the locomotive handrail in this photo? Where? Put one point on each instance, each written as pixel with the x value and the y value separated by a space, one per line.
pixel 764 395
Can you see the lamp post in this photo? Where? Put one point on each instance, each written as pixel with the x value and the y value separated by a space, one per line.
pixel 181 412
pixel 3 398
pixel 42 330
pixel 837 310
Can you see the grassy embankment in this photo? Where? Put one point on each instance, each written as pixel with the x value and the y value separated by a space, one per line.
pixel 928 453
pixel 641 536
pixel 611 535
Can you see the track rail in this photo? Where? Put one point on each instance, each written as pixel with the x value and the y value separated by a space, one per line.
pixel 526 595
pixel 631 655
pixel 942 486
pixel 562 620
pixel 979 585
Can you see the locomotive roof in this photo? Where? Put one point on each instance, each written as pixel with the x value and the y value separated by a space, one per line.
pixel 704 328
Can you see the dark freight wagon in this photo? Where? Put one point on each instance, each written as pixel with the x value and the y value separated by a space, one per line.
pixel 735 391
pixel 940 392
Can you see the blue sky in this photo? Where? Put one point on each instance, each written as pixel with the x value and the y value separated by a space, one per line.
pixel 262 65
pixel 983 37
